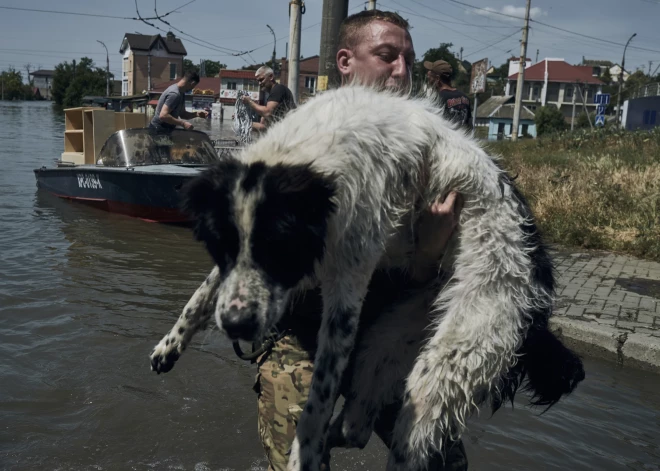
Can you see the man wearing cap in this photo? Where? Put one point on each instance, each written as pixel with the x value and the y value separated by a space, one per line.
pixel 456 103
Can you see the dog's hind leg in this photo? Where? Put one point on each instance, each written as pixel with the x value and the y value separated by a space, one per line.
pixel 195 315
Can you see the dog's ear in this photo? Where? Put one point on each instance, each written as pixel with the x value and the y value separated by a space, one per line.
pixel 201 193
pixel 302 185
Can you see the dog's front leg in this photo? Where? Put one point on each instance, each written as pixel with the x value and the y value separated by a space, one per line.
pixel 195 315
pixel 342 302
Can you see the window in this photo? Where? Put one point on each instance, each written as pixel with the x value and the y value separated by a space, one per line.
pixel 251 85
pixel 231 85
pixel 568 93
pixel 649 117
pixel 310 83
pixel 535 92
pixel 525 128
pixel 172 71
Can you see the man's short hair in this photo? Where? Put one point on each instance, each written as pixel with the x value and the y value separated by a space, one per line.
pixel 191 76
pixel 264 69
pixel 351 27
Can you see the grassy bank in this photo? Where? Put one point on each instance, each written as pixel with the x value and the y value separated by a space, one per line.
pixel 592 189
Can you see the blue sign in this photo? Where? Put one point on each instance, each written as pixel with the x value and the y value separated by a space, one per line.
pixel 600 120
pixel 602 98
pixel 600 109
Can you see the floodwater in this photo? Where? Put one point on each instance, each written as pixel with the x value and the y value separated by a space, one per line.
pixel 85 295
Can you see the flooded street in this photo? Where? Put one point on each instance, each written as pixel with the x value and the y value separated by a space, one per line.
pixel 85 295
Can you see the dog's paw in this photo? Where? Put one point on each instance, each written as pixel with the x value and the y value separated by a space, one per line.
pixel 165 355
pixel 294 463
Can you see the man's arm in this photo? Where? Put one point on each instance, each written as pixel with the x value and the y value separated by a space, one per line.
pixel 195 114
pixel 263 111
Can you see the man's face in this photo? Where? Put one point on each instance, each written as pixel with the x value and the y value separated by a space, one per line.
pixel 189 86
pixel 265 81
pixel 384 54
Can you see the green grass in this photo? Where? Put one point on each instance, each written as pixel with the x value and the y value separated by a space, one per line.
pixel 592 189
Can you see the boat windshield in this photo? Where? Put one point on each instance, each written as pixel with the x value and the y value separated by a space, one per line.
pixel 136 147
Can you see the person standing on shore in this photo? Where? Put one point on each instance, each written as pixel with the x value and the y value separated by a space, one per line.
pixel 456 103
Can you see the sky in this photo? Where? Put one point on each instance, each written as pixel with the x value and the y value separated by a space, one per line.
pixel 223 30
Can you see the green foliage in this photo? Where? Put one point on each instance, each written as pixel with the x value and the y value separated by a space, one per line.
pixel 188 66
pixel 549 119
pixel 14 88
pixel 72 81
pixel 583 121
pixel 606 78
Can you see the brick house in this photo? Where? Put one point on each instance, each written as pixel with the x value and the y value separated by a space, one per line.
pixel 149 60
pixel 307 78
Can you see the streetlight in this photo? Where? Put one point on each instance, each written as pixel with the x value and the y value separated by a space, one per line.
pixel 274 49
pixel 623 65
pixel 107 69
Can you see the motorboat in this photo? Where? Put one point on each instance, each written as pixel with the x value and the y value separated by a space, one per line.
pixel 139 172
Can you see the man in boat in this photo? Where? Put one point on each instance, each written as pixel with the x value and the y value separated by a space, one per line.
pixel 171 109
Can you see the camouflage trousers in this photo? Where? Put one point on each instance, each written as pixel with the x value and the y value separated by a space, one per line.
pixel 283 383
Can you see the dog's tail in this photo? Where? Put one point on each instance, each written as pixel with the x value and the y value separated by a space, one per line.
pixel 546 369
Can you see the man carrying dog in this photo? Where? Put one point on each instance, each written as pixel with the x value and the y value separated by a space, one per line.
pixel 375 49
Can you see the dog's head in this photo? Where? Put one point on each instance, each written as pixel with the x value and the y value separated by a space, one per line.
pixel 265 227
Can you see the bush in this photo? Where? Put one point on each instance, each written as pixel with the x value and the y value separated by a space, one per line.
pixel 583 121
pixel 549 119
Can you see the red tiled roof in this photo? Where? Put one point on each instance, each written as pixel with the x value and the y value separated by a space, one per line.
pixel 559 71
pixel 309 65
pixel 205 83
pixel 238 74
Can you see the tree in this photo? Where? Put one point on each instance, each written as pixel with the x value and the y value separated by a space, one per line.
pixel 549 119
pixel 606 78
pixel 583 121
pixel 13 86
pixel 212 67
pixel 72 81
pixel 635 81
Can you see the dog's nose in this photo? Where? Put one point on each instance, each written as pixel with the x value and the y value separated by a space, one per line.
pixel 239 323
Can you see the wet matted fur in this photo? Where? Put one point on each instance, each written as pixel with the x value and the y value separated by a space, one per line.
pixel 334 192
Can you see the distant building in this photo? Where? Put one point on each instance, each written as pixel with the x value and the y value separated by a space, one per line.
pixel 307 78
pixel 150 60
pixel 497 114
pixel 555 82
pixel 42 83
pixel 598 68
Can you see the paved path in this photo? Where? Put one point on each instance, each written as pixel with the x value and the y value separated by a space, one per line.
pixel 609 304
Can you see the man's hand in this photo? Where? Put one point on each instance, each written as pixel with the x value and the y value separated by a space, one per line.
pixel 187 125
pixel 201 114
pixel 439 224
pixel 246 99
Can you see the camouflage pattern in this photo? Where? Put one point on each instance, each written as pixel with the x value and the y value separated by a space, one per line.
pixel 283 383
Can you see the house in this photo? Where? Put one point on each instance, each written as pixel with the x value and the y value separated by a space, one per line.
pixel 42 81
pixel 307 77
pixel 149 60
pixel 556 82
pixel 599 67
pixel 497 114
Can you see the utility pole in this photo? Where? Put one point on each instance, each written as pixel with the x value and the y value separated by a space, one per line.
pixel 334 12
pixel 584 106
pixel 274 49
pixel 295 17
pixel 107 69
pixel 536 61
pixel 461 53
pixel 372 5
pixel 650 65
pixel 521 75
pixel 623 65
pixel 573 115
pixel 148 73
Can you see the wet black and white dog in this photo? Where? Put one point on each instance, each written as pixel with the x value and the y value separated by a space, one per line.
pixel 333 193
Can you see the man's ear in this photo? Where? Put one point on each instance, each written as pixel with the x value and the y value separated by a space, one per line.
pixel 344 63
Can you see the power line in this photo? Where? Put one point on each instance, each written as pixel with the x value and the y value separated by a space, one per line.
pixel 35 10
pixel 488 47
pixel 437 21
pixel 460 22
pixel 553 27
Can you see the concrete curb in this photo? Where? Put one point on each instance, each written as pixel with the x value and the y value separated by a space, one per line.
pixel 593 339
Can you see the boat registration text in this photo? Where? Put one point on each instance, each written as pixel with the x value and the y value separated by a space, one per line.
pixel 88 180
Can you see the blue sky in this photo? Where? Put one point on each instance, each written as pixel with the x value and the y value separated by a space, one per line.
pixel 45 39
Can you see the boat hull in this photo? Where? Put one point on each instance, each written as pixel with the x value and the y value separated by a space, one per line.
pixel 151 193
